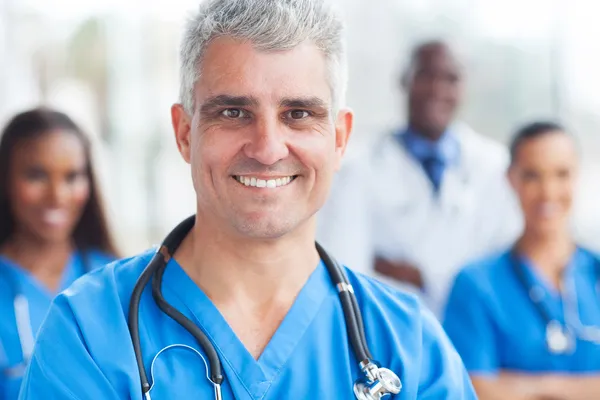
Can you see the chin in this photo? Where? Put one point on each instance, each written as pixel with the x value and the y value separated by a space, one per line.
pixel 550 227
pixel 265 226
pixel 51 234
pixel 54 238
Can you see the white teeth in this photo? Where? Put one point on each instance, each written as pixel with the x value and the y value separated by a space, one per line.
pixel 55 217
pixel 262 183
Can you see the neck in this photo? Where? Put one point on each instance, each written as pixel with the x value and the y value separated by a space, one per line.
pixel 46 261
pixel 233 270
pixel 549 252
pixel 427 133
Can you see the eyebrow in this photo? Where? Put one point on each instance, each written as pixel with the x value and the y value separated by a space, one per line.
pixel 308 102
pixel 225 100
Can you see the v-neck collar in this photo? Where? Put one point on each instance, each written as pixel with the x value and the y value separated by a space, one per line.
pixel 257 376
pixel 536 278
pixel 20 274
pixel 545 293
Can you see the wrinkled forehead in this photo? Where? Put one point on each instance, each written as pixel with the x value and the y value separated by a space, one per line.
pixel 232 67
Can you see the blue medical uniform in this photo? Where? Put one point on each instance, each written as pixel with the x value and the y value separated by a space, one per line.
pixel 84 350
pixel 495 326
pixel 14 279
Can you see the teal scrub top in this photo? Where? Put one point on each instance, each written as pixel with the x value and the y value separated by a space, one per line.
pixel 14 279
pixel 84 349
pixel 494 324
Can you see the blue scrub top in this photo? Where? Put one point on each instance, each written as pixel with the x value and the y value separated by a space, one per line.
pixel 495 326
pixel 13 278
pixel 84 349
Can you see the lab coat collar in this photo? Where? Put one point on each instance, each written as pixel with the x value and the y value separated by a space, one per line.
pixel 447 147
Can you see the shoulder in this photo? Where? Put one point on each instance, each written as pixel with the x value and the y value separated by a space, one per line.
pixel 402 313
pixel 405 336
pixel 482 274
pixel 589 259
pixel 591 254
pixel 372 293
pixel 107 287
pixel 99 258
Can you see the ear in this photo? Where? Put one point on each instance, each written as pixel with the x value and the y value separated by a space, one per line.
pixel 343 129
pixel 182 127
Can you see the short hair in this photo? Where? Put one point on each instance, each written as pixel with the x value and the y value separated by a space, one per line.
pixel 270 25
pixel 531 131
pixel 434 43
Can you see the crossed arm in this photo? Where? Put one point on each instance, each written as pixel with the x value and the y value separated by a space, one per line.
pixel 521 386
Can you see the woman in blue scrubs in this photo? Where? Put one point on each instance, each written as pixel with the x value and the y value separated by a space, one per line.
pixel 526 322
pixel 52 228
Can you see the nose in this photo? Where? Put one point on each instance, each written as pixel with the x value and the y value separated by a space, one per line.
pixel 267 144
pixel 551 190
pixel 58 192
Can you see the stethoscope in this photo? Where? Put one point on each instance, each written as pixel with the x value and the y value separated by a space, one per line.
pixel 23 321
pixel 376 383
pixel 560 339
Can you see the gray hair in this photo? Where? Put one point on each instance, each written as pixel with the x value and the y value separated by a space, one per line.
pixel 270 25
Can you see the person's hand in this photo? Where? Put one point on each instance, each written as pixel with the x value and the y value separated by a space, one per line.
pixel 534 387
pixel 401 271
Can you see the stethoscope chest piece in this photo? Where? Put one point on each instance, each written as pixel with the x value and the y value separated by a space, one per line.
pixel 378 383
pixel 557 338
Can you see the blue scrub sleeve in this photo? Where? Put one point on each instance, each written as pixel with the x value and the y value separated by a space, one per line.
pixel 443 375
pixel 61 366
pixel 470 328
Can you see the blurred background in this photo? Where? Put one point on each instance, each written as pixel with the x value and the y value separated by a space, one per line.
pixel 113 66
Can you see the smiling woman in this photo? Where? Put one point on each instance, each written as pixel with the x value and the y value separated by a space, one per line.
pixel 527 321
pixel 52 228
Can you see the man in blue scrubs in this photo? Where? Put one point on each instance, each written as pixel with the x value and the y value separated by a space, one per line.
pixel 262 125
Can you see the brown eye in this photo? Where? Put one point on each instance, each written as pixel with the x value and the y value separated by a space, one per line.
pixel 35 174
pixel 73 176
pixel 233 113
pixel 298 114
pixel 530 175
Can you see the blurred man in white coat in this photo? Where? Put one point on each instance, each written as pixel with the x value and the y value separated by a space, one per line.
pixel 429 196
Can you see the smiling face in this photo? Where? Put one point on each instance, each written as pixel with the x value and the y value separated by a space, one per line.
pixel 543 175
pixel 48 185
pixel 434 90
pixel 262 142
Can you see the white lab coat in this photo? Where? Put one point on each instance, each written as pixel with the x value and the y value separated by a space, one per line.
pixel 382 203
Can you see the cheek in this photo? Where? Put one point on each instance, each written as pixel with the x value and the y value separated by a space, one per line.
pixel 81 194
pixel 211 154
pixel 567 193
pixel 528 194
pixel 25 194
